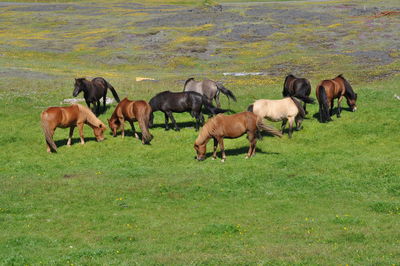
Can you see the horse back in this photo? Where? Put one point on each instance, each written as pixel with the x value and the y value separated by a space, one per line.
pixel 62 116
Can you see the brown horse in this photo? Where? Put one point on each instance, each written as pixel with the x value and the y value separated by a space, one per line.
pixel 286 109
pixel 231 126
pixel 131 111
pixel 70 116
pixel 336 88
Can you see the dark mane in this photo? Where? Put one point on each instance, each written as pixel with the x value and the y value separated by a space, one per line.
pixel 187 81
pixel 349 90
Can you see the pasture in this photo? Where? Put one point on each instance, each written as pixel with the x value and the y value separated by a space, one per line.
pixel 330 195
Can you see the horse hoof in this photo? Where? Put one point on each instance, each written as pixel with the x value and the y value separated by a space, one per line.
pixel 223 160
pixel 246 157
pixel 213 158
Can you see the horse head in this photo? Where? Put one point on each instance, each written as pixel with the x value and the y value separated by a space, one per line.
pixel 79 85
pixel 114 125
pixel 351 102
pixel 99 132
pixel 200 151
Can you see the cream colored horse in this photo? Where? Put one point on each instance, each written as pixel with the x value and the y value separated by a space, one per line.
pixel 286 109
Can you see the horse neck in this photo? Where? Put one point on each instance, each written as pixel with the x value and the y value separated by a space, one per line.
pixel 203 137
pixel 90 118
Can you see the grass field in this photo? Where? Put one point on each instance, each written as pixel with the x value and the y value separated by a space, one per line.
pixel 330 195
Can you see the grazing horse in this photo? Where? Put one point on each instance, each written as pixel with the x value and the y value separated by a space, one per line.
pixel 70 116
pixel 336 88
pixel 210 89
pixel 299 88
pixel 179 102
pixel 286 109
pixel 230 126
pixel 93 91
pixel 131 111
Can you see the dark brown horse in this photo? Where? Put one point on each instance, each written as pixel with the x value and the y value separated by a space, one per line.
pixel 93 91
pixel 329 90
pixel 71 116
pixel 299 88
pixel 231 126
pixel 131 111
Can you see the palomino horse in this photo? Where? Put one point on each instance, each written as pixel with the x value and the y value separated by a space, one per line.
pixel 328 90
pixel 93 91
pixel 210 89
pixel 230 126
pixel 299 88
pixel 179 102
pixel 70 116
pixel 131 111
pixel 286 109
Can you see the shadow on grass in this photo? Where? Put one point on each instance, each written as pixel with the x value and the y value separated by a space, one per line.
pixel 179 124
pixel 63 142
pixel 239 151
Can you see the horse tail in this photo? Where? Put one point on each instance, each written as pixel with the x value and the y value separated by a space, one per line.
pixel 113 91
pixel 323 104
pixel 208 105
pixel 302 113
pixel 270 129
pixel 144 126
pixel 47 132
pixel 225 91
pixel 250 108
pixel 186 82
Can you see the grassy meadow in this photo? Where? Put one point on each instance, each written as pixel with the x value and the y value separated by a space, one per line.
pixel 328 196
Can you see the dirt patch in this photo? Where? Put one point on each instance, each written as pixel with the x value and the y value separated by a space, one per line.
pixel 372 57
pixel 25 74
pixel 250 32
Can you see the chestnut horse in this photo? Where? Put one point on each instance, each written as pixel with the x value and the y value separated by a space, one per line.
pixel 70 116
pixel 231 126
pixel 299 88
pixel 131 111
pixel 336 88
pixel 286 109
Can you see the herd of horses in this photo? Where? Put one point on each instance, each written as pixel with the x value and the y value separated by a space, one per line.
pixel 195 96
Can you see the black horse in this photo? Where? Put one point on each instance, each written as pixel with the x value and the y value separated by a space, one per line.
pixel 93 91
pixel 179 102
pixel 299 88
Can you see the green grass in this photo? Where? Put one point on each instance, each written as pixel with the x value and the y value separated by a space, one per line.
pixel 330 195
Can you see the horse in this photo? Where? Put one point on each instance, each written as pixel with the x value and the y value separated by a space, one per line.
pixel 93 91
pixel 70 116
pixel 131 111
pixel 230 126
pixel 210 89
pixel 299 88
pixel 179 102
pixel 336 88
pixel 286 109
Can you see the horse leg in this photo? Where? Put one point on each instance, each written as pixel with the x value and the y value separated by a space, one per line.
pixel 133 130
pixel 51 136
pixel 331 110
pixel 214 156
pixel 284 121
pixel 304 107
pixel 221 147
pixel 252 141
pixel 339 106
pixel 98 108
pixel 87 103
pixel 122 122
pixel 217 100
pixel 166 121
pixel 173 121
pixel 80 127
pixel 71 132
pixel 291 122
pixel 104 100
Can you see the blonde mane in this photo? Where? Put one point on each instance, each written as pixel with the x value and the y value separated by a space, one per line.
pixel 206 131
pixel 90 117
